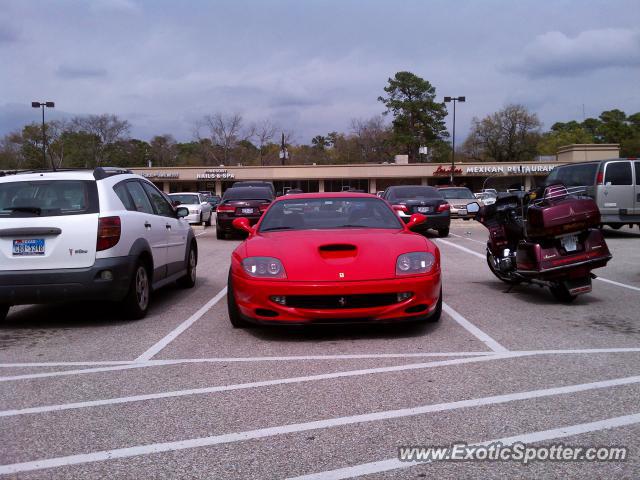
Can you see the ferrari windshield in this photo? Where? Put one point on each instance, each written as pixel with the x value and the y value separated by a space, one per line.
pixel 329 213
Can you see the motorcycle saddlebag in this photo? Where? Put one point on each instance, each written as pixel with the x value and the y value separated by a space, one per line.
pixel 551 218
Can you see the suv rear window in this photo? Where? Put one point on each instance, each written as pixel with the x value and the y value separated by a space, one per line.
pixel 48 198
pixel 618 173
pixel 248 193
pixel 573 175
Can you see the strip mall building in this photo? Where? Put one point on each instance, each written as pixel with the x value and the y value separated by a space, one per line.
pixel 374 177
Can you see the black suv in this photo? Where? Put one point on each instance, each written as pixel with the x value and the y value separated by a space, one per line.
pixel 409 199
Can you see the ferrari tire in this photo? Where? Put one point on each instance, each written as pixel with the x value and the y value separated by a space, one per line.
pixel 4 310
pixel 234 313
pixel 437 313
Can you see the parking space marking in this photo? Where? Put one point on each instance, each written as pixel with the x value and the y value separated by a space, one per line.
pixel 467 238
pixel 526 438
pixel 249 385
pixel 623 285
pixel 473 330
pixel 464 249
pixel 201 233
pixel 155 349
pixel 158 363
pixel 147 449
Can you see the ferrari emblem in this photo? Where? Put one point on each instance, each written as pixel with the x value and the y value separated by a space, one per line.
pixel 341 275
pixel 342 301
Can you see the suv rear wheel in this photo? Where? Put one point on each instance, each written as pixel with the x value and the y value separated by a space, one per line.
pixel 4 310
pixel 136 303
pixel 189 280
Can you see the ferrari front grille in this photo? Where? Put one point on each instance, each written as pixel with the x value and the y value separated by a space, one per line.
pixel 333 302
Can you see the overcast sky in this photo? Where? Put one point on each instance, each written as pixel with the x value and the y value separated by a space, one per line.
pixel 310 65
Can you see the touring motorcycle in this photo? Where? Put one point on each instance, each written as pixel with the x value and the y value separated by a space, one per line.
pixel 552 241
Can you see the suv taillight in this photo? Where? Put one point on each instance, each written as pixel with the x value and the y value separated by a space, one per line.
pixel 600 178
pixel 226 208
pixel 108 232
pixel 444 207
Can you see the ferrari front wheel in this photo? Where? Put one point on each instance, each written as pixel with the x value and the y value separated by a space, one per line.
pixel 234 312
pixel 437 313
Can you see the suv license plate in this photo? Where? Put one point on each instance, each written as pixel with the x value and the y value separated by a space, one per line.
pixel 570 243
pixel 24 248
pixel 423 209
pixel 462 211
pixel 247 210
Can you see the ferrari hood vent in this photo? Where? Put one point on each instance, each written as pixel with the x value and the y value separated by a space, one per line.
pixel 337 247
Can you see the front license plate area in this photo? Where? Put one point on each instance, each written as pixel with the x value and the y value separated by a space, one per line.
pixel 462 211
pixel 247 210
pixel 570 243
pixel 28 247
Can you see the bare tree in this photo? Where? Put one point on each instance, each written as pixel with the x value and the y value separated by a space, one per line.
pixel 372 137
pixel 106 128
pixel 264 133
pixel 510 135
pixel 164 152
pixel 224 131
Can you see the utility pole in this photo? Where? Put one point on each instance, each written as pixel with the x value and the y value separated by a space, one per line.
pixel 453 150
pixel 44 134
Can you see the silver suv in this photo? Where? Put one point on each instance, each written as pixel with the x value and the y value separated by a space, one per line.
pixel 614 185
pixel 105 234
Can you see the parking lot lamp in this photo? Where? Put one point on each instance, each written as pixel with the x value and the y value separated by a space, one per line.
pixel 44 135
pixel 453 149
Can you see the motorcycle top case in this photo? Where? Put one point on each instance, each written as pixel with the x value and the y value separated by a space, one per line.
pixel 557 217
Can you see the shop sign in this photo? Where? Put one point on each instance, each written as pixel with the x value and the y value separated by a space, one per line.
pixel 447 171
pixel 159 175
pixel 216 174
pixel 509 169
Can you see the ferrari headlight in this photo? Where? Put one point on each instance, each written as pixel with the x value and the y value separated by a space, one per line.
pixel 264 267
pixel 414 262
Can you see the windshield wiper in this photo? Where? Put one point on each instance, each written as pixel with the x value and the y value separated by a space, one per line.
pixel 36 210
pixel 276 228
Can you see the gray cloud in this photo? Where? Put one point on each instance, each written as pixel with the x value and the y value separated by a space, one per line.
pixel 556 54
pixel 69 72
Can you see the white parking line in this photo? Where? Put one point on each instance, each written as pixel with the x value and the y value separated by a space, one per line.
pixel 476 254
pixel 201 233
pixel 158 363
pixel 155 349
pixel 244 386
pixel 532 437
pixel 147 449
pixel 467 238
pixel 475 331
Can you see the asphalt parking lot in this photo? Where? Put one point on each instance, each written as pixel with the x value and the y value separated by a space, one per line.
pixel 181 394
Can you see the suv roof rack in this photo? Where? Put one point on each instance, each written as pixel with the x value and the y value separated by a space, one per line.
pixel 100 173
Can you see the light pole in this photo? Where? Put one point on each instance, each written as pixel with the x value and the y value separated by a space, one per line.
pixel 453 149
pixel 44 136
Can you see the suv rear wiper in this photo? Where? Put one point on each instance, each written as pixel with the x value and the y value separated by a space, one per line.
pixel 36 210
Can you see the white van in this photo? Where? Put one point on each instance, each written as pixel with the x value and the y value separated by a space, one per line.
pixel 614 184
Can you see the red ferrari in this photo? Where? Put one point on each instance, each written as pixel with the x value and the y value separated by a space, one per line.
pixel 333 258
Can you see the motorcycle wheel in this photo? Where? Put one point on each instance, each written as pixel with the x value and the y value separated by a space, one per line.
pixel 561 293
pixel 505 278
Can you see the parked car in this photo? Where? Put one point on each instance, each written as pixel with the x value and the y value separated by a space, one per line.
pixel 613 184
pixel 248 202
pixel 105 234
pixel 255 183
pixel 347 259
pixel 459 198
pixel 199 209
pixel 213 200
pixel 292 191
pixel 487 198
pixel 410 199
